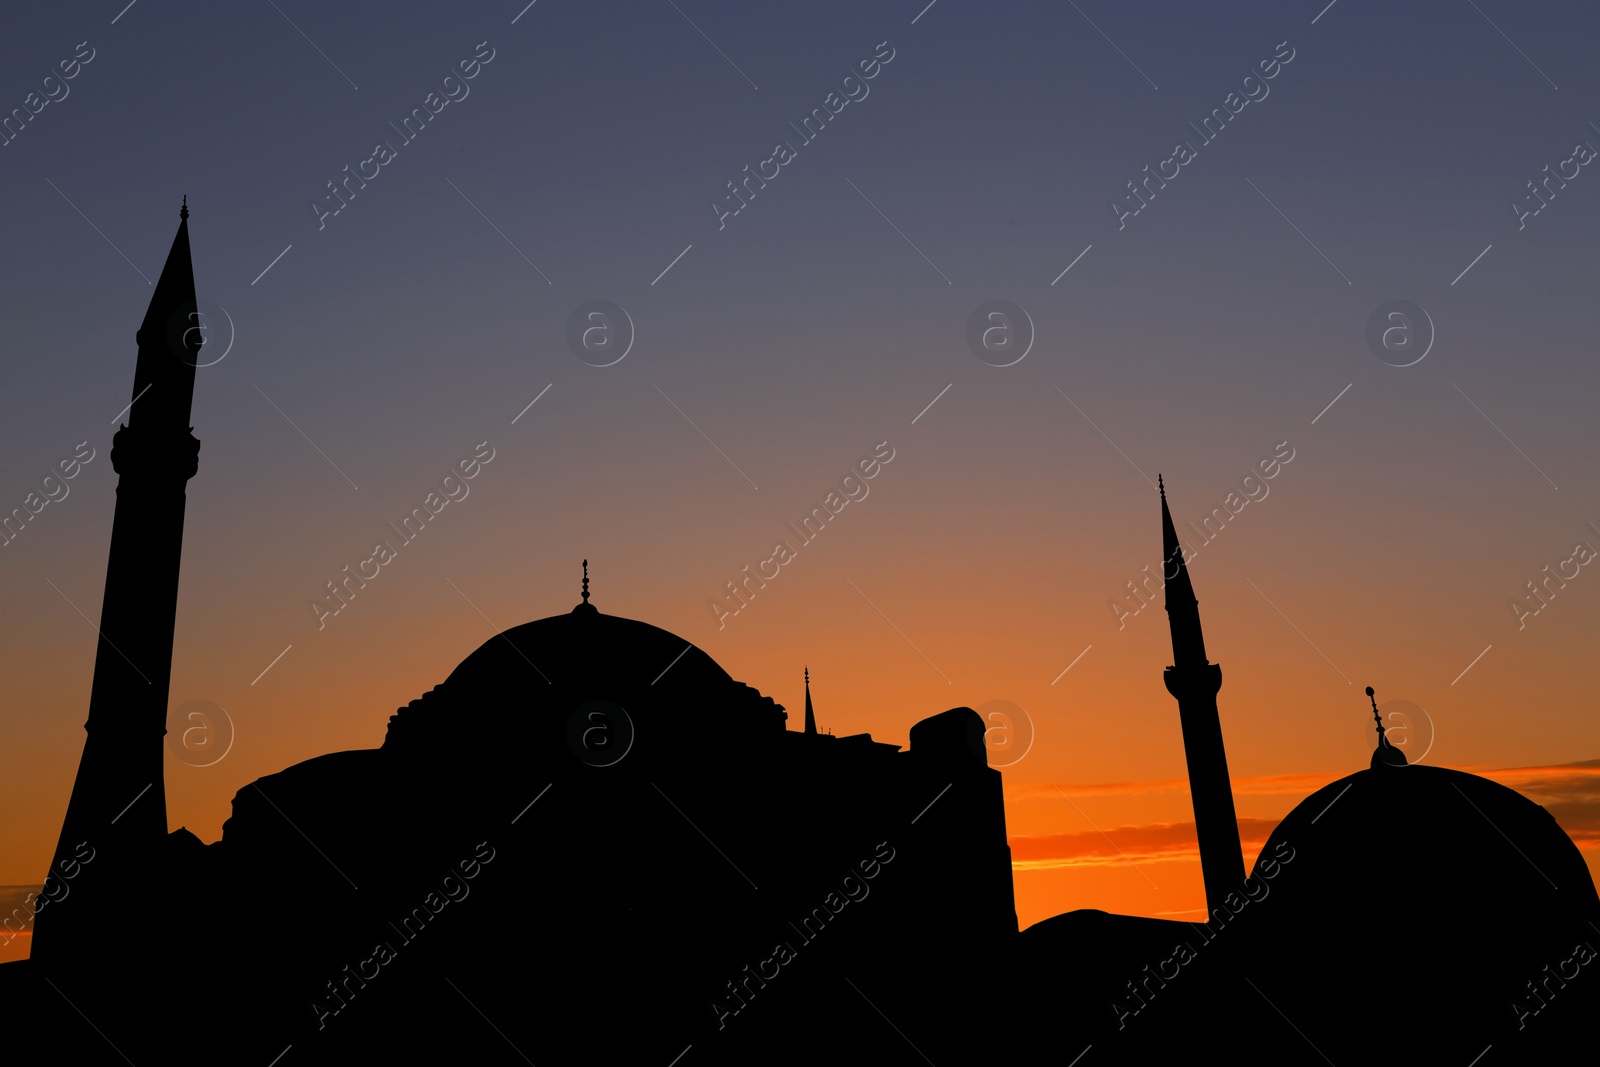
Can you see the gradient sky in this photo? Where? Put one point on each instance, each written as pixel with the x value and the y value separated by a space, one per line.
pixel 1219 322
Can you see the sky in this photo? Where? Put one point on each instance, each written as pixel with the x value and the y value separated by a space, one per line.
pixel 1236 322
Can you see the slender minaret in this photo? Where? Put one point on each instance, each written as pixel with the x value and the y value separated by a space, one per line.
pixel 1193 681
pixel 811 716
pixel 118 812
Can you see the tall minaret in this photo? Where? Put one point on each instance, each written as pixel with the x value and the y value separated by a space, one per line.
pixel 118 812
pixel 811 716
pixel 1194 681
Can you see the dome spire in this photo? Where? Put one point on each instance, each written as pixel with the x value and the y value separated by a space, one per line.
pixel 584 605
pixel 1385 754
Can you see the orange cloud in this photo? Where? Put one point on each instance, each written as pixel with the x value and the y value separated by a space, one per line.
pixel 1301 784
pixel 1124 844
pixel 16 921
pixel 1569 791
pixel 1049 790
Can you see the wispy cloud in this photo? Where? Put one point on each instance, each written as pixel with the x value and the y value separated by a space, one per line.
pixel 1118 847
pixel 1569 791
pixel 1261 785
pixel 16 920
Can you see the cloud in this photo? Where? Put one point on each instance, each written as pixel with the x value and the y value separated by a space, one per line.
pixel 1569 791
pixel 17 897
pixel 1054 790
pixel 1301 784
pixel 1125 844
pixel 16 934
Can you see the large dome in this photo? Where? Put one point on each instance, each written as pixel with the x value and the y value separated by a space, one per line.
pixel 585 647
pixel 554 672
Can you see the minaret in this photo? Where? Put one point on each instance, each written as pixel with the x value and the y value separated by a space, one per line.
pixel 811 716
pixel 118 810
pixel 1194 681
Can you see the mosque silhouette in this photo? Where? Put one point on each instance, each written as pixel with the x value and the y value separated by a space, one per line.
pixel 589 844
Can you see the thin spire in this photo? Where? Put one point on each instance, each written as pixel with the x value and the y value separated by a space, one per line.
pixel 183 212
pixel 811 716
pixel 585 581
pixel 1183 610
pixel 169 340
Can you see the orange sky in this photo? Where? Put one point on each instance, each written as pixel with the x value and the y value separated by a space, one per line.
pixel 1198 339
pixel 1154 867
pixel 979 567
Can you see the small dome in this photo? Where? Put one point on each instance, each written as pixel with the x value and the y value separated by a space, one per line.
pixel 1406 863
pixel 1416 824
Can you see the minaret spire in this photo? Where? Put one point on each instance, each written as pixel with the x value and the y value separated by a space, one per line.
pixel 119 802
pixel 1183 610
pixel 1194 681
pixel 811 716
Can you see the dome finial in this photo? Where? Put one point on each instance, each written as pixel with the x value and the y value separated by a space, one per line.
pixel 584 607
pixel 1385 753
